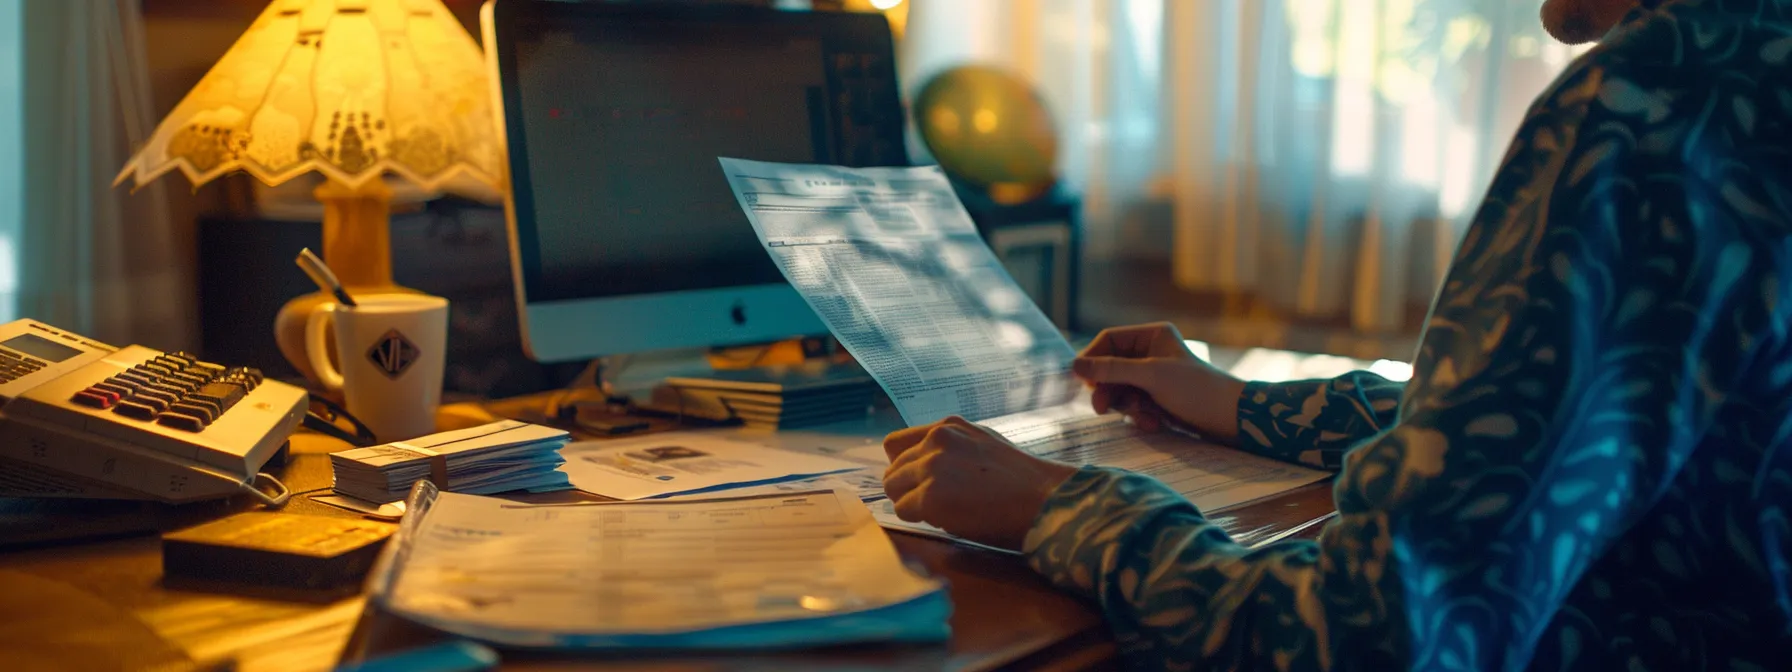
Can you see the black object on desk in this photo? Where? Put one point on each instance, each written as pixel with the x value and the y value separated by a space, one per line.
pixel 452 248
pixel 1039 241
pixel 279 550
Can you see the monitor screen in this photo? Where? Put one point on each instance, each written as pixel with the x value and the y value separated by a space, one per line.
pixel 623 115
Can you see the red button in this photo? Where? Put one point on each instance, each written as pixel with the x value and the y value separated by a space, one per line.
pixel 86 398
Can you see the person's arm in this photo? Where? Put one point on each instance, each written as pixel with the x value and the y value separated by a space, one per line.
pixel 1313 422
pixel 1565 375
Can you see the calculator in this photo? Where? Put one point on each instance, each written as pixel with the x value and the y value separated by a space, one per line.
pixel 79 418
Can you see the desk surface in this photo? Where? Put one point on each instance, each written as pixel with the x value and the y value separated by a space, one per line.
pixel 103 605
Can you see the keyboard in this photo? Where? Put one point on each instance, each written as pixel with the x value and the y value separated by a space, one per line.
pixel 79 418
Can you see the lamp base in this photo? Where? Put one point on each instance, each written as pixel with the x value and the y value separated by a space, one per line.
pixel 357 248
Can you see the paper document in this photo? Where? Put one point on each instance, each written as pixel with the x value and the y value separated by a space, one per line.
pixel 722 572
pixel 862 484
pixel 1212 477
pixel 884 511
pixel 674 463
pixel 892 263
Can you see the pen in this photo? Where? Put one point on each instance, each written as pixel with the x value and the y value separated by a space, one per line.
pixel 321 274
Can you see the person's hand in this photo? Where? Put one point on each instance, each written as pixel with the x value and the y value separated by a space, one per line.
pixel 967 480
pixel 1148 373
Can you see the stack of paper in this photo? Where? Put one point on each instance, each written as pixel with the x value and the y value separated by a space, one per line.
pixel 784 397
pixel 498 457
pixel 773 571
pixel 682 463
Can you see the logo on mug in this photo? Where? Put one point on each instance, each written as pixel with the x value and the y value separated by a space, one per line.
pixel 393 354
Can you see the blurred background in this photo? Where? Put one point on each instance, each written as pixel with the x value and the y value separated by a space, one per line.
pixel 1280 173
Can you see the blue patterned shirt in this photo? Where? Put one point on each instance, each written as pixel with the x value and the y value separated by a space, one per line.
pixel 1590 468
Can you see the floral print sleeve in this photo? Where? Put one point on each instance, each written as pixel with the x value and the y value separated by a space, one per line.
pixel 1592 465
pixel 1313 422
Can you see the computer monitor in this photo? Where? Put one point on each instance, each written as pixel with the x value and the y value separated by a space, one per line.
pixel 624 234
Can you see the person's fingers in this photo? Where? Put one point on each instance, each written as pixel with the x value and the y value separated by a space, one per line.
pixel 1149 422
pixel 899 441
pixel 912 506
pixel 901 478
pixel 1132 341
pixel 1147 414
pixel 1165 338
pixel 958 421
pixel 1102 399
pixel 939 436
pixel 1101 346
pixel 1127 398
pixel 1117 370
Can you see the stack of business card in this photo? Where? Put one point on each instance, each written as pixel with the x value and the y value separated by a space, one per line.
pixel 499 457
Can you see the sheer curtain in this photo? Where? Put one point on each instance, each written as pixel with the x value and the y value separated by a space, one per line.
pixel 91 258
pixel 1321 156
pixel 12 155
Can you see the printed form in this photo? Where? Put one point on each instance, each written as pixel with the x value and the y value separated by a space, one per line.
pixel 559 571
pixel 892 263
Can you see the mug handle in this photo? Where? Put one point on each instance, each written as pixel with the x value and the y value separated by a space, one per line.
pixel 317 349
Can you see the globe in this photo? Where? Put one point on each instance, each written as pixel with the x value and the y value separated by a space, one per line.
pixel 990 130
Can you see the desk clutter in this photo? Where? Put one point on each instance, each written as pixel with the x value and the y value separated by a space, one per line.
pixel 760 572
pixel 79 418
pixel 497 457
pixel 777 397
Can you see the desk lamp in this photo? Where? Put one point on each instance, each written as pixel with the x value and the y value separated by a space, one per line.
pixel 351 89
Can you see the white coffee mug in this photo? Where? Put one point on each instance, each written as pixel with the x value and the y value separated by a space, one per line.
pixel 391 349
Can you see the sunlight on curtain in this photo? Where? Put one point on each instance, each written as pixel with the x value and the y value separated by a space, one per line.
pixel 1320 155
pixel 12 156
pixel 97 260
pixel 1358 137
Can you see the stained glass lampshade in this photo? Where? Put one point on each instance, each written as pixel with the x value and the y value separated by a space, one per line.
pixel 354 90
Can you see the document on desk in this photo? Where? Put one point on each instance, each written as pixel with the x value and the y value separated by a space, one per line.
pixel 675 463
pixel 893 264
pixel 772 571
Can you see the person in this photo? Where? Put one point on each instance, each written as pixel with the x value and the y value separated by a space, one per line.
pixel 1590 466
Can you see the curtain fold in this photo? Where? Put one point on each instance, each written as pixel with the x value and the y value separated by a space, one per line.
pixel 12 153
pixel 91 258
pixel 1319 156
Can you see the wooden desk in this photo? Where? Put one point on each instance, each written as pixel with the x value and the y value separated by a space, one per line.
pixel 103 605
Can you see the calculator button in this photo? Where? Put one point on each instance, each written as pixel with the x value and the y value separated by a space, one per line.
pixel 137 377
pixel 136 409
pixel 198 409
pixel 92 400
pixel 179 420
pixel 117 390
pixel 167 398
